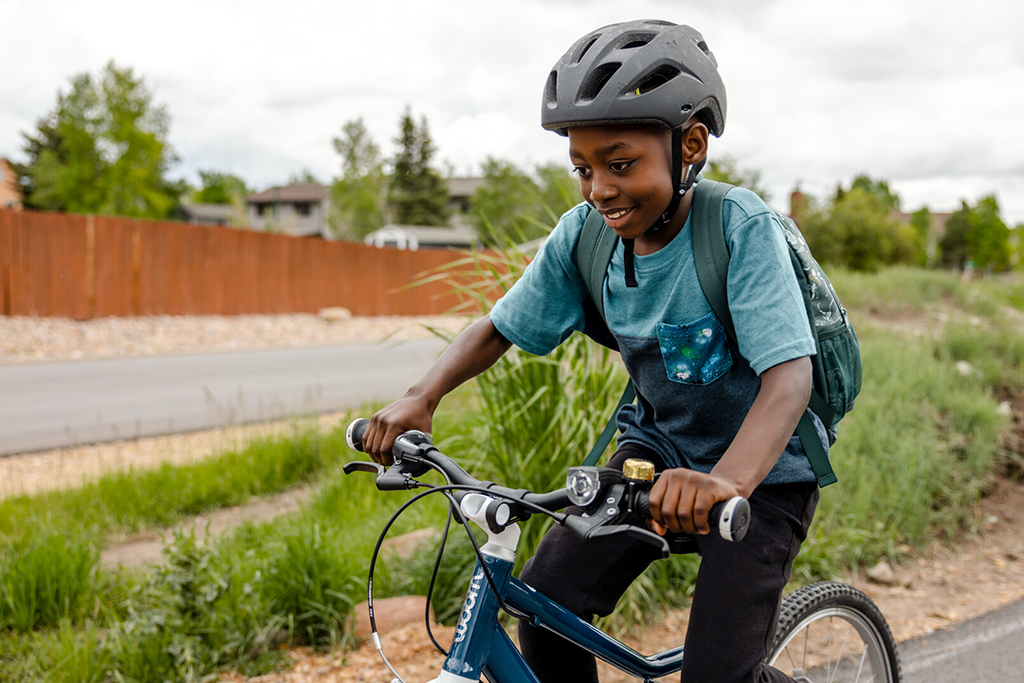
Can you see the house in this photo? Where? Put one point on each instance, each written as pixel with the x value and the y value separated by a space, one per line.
pixel 413 237
pixel 460 192
pixel 213 214
pixel 302 210
pixel 10 189
pixel 297 210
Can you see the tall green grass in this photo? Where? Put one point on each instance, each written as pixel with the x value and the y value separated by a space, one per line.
pixel 130 501
pixel 46 577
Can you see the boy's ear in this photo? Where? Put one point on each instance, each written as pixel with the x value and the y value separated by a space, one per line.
pixel 695 143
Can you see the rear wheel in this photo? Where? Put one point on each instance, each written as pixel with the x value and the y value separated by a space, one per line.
pixel 832 632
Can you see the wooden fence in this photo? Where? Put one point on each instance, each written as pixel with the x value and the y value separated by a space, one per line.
pixel 91 266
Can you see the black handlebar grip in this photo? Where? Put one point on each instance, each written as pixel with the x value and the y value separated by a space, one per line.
pixel 354 434
pixel 731 517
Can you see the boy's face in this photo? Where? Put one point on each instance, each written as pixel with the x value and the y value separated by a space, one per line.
pixel 625 173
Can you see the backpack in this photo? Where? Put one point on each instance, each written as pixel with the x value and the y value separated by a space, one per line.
pixel 836 364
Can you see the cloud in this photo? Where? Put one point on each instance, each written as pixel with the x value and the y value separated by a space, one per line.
pixel 818 91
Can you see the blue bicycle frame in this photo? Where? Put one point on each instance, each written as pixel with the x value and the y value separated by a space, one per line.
pixel 480 645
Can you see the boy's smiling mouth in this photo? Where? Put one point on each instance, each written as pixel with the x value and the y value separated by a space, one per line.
pixel 616 214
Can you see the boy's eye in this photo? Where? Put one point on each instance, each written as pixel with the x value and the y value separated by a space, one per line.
pixel 619 165
pixel 581 171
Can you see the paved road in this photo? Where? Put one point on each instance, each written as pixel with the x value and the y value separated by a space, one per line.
pixel 989 648
pixel 50 405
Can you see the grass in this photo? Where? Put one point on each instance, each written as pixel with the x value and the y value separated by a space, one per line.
pixel 130 501
pixel 912 458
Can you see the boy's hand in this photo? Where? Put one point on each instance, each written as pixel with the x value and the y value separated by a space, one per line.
pixel 390 422
pixel 681 499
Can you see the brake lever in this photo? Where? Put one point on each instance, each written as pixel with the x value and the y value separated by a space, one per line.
pixel 363 466
pixel 602 533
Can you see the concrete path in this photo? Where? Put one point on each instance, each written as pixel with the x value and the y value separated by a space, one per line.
pixel 54 405
pixel 989 648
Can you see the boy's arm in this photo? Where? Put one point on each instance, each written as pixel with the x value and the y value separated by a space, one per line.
pixel 681 498
pixel 478 347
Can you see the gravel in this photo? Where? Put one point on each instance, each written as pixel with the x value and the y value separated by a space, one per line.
pixel 25 339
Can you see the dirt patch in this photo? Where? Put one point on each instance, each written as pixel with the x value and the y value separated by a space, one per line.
pixel 147 548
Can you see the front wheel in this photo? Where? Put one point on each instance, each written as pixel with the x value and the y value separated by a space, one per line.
pixel 832 632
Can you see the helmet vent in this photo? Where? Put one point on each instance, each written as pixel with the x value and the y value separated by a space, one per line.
pixel 659 22
pixel 633 40
pixel 597 80
pixel 657 78
pixel 551 91
pixel 583 49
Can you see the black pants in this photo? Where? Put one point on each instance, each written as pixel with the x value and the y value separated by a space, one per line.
pixel 735 603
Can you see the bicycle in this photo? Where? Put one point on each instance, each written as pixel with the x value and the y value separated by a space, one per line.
pixel 827 631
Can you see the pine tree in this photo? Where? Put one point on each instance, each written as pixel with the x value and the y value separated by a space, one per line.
pixel 416 193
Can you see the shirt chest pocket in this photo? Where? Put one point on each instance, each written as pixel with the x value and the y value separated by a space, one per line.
pixel 695 353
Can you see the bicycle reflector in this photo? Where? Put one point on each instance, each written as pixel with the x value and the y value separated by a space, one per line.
pixel 583 484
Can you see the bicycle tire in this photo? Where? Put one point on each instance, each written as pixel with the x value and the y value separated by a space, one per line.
pixel 816 626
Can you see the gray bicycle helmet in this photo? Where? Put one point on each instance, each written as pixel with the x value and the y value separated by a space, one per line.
pixel 639 72
pixel 645 72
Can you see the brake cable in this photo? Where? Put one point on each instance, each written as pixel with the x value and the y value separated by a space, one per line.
pixel 559 517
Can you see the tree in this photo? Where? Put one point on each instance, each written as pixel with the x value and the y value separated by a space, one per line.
pixel 416 193
pixel 513 207
pixel 877 188
pixel 726 170
pixel 219 188
pixel 559 191
pixel 358 195
pixel 504 207
pixel 954 244
pixel 988 240
pixel 922 223
pixel 303 177
pixel 858 231
pixel 978 235
pixel 103 149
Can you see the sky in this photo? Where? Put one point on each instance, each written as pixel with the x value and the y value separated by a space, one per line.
pixel 925 94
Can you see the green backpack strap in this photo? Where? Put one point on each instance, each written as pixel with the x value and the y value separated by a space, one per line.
pixel 593 254
pixel 710 252
pixel 609 430
pixel 711 256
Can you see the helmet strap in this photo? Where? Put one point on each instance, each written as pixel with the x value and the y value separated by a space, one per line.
pixel 680 187
pixel 627 262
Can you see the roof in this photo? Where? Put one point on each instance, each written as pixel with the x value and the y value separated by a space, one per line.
pixel 291 193
pixel 457 188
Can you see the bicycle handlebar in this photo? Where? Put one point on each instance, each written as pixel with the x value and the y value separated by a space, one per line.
pixel 415 454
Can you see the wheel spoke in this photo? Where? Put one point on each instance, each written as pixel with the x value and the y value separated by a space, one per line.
pixel 839 659
pixel 860 665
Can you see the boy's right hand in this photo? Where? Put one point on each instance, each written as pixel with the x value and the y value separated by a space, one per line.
pixel 408 412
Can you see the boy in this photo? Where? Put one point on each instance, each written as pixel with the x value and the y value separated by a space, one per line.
pixel 637 102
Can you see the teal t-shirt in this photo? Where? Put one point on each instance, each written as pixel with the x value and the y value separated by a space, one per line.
pixel 694 391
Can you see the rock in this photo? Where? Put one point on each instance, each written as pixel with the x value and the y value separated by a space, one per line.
pixel 964 368
pixel 390 614
pixel 882 573
pixel 1005 409
pixel 335 314
pixel 1016 553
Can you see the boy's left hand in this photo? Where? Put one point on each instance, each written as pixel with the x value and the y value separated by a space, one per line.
pixel 681 499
